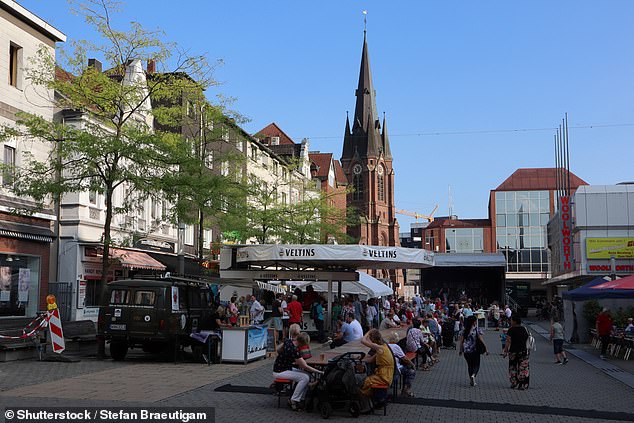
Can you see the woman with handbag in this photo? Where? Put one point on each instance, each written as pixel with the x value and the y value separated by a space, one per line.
pixel 472 346
pixel 518 353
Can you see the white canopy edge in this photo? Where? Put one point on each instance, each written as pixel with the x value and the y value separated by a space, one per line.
pixel 346 256
pixel 366 285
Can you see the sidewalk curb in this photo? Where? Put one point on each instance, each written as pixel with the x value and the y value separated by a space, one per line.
pixel 609 369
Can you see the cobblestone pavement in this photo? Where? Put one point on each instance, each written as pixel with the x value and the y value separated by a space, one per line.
pixel 557 393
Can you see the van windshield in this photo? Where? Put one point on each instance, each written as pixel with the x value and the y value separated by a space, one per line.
pixel 119 296
pixel 144 297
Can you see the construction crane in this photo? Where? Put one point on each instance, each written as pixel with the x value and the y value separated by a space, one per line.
pixel 429 217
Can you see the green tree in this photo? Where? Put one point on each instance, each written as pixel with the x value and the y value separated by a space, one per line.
pixel 106 140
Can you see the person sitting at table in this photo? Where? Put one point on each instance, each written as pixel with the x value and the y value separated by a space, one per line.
pixel 290 365
pixel 629 329
pixel 415 343
pixel 383 359
pixel 404 365
pixel 303 344
pixel 350 331
pixel 389 321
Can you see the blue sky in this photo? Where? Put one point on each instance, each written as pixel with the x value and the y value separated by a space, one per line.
pixel 451 76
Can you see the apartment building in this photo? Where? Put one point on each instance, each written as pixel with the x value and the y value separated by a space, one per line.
pixel 25 236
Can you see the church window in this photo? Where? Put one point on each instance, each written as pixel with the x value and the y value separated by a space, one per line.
pixel 381 183
pixel 357 185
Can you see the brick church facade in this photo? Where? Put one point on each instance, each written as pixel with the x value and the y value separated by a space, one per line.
pixel 367 163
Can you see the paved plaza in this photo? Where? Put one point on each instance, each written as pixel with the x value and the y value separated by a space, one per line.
pixel 577 392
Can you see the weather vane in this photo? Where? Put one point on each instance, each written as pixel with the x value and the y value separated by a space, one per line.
pixel 365 14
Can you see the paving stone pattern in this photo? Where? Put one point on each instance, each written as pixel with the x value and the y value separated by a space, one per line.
pixel 577 386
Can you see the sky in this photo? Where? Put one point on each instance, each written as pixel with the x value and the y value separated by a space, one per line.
pixel 472 90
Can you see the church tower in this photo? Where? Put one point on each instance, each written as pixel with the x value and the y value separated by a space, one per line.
pixel 367 163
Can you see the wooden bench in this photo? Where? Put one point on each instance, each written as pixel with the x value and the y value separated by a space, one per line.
pixel 382 389
pixel 281 386
pixel 80 331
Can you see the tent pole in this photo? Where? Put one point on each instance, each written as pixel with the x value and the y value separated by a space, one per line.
pixel 329 314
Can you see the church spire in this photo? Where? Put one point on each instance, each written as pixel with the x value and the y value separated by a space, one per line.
pixel 366 104
pixel 386 141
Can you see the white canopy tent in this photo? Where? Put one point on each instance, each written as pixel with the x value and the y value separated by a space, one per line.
pixel 317 263
pixel 367 286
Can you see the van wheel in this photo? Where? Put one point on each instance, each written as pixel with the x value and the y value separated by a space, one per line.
pixel 118 350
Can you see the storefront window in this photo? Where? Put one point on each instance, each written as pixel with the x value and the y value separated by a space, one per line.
pixel 19 285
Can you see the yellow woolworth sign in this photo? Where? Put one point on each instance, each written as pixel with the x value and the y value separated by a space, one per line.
pixel 604 248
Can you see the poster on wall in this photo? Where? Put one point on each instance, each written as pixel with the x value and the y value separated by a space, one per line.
pixel 81 294
pixel 24 281
pixel 175 299
pixel 5 284
pixel 257 340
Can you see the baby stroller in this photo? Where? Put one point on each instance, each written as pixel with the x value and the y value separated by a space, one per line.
pixel 448 334
pixel 338 389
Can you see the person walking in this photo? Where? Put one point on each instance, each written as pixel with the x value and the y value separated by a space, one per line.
pixel 604 330
pixel 557 336
pixel 469 339
pixel 518 354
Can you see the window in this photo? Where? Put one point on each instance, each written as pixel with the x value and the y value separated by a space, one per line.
pixel 119 296
pixel 275 168
pixel 224 168
pixel 209 159
pixel 464 240
pixel 189 235
pixel 15 57
pixel 8 174
pixel 284 198
pixel 265 160
pixel 155 208
pixel 381 188
pixel 144 298
pixel 225 135
pixel 92 196
pixel 284 174
pixel 357 185
pixel 191 109
pixel 239 144
pixel 207 238
pixel 254 152
pixel 275 140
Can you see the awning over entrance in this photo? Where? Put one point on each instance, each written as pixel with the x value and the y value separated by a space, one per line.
pixel 136 259
pixel 336 256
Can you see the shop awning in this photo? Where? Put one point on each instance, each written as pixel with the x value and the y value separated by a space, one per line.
pixel 136 259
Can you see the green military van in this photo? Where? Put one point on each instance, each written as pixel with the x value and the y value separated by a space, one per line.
pixel 155 315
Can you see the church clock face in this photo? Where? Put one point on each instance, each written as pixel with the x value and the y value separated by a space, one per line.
pixel 356 169
pixel 380 170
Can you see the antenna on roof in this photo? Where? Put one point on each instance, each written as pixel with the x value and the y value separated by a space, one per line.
pixel 365 23
pixel 450 202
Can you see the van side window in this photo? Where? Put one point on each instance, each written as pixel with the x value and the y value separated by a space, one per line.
pixel 119 296
pixel 194 300
pixel 144 297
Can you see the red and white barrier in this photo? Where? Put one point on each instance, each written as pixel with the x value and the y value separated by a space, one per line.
pixel 55 329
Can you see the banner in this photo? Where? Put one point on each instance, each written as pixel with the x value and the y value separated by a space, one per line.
pixel 24 280
pixel 606 248
pixel 257 339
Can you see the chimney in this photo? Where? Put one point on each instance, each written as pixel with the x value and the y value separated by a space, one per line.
pixel 94 63
pixel 151 66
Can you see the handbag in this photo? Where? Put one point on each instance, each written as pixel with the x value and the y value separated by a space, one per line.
pixel 480 347
pixel 530 341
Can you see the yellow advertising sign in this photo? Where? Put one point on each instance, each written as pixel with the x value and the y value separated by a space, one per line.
pixel 605 248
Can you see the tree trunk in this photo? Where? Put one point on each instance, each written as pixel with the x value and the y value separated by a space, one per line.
pixel 105 267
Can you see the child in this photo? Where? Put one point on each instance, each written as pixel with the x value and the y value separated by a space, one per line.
pixel 303 345
pixel 503 336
